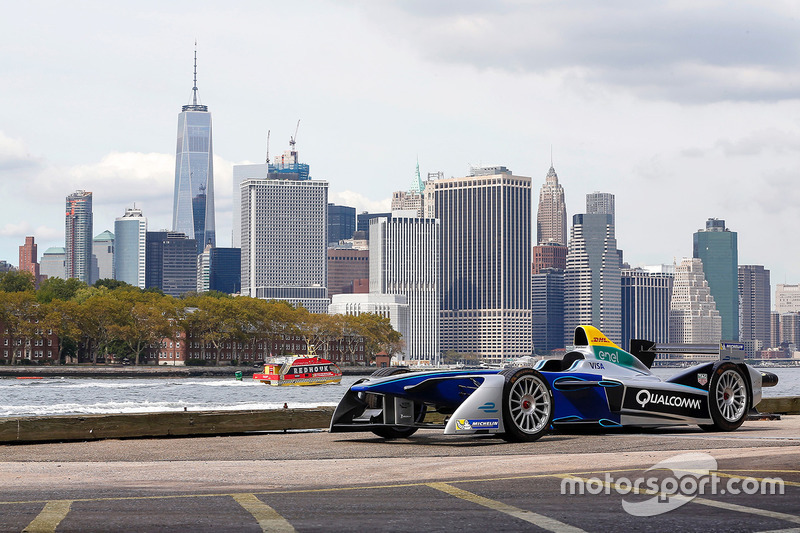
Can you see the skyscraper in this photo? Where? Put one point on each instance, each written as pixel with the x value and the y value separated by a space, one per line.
pixel 787 298
pixel 485 262
pixel 547 294
pixel 413 199
pixel 52 263
pixel 754 295
pixel 103 256
pixel 551 218
pixel 404 259
pixel 592 277
pixel 341 223
pixel 646 296
pixel 193 205
pixel 171 263
pixel 28 257
pixel 717 247
pixel 78 233
pixel 693 315
pixel 241 173
pixel 130 254
pixel 284 241
pixel 600 203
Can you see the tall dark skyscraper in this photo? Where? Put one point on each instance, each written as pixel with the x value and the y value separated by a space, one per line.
pixel 717 246
pixel 754 295
pixel 193 206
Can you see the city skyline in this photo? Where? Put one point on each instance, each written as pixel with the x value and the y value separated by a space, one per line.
pixel 679 124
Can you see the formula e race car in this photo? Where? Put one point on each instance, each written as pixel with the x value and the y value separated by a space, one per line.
pixel 596 384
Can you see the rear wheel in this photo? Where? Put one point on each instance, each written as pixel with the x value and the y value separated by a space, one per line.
pixel 727 398
pixel 374 401
pixel 527 405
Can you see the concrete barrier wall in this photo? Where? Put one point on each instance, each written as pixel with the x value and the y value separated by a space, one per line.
pixel 199 423
pixel 181 423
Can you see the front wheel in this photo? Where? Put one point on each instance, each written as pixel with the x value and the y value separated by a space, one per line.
pixel 527 405
pixel 727 398
pixel 374 401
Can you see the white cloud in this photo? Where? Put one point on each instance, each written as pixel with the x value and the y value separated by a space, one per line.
pixel 360 202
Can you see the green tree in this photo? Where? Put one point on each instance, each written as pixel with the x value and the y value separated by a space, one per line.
pixel 58 289
pixel 62 319
pixel 113 284
pixel 100 313
pixel 16 281
pixel 149 318
pixel 214 321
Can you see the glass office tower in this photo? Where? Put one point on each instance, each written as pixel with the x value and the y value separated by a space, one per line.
pixel 193 207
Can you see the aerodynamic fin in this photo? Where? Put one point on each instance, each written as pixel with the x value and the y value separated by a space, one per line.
pixel 591 336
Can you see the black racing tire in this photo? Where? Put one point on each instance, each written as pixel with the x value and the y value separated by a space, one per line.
pixel 394 432
pixel 728 398
pixel 527 405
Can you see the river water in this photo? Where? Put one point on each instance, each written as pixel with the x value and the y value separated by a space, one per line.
pixel 58 396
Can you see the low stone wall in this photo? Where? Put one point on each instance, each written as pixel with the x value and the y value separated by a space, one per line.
pixel 168 424
pixel 786 405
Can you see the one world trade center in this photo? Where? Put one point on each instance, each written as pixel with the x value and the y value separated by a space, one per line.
pixel 193 205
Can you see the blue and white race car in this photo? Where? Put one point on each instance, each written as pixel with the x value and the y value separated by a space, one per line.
pixel 595 384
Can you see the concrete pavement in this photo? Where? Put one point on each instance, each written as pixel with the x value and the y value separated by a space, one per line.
pixel 315 481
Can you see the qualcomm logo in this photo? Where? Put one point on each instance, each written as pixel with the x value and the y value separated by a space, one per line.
pixel 645 397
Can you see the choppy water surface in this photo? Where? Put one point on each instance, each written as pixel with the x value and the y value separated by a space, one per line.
pixel 53 396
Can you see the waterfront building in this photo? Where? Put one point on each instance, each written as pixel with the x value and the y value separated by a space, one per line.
pixel 646 297
pixel 345 266
pixel 52 263
pixel 693 314
pixel 754 296
pixel 284 241
pixel 193 202
pixel 600 203
pixel 717 246
pixel 551 217
pixel 592 293
pixel 341 223
pixel 404 259
pixel 103 256
pixel 78 236
pixel 130 247
pixel 391 306
pixel 485 256
pixel 547 294
pixel 171 262
pixel 787 298
pixel 28 260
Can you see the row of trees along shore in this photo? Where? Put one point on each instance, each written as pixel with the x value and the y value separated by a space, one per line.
pixel 113 317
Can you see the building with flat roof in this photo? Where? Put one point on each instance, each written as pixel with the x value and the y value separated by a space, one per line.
pixel 130 247
pixel 693 314
pixel 646 299
pixel 28 260
pixel 755 300
pixel 787 298
pixel 285 241
pixel 717 247
pixel 485 256
pixel 78 233
pixel 404 259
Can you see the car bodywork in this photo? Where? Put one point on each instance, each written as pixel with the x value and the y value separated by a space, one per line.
pixel 595 384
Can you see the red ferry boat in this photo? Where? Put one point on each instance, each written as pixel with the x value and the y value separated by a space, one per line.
pixel 299 370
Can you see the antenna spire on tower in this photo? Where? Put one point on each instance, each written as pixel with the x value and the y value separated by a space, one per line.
pixel 194 88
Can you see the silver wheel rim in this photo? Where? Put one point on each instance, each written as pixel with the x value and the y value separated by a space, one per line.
pixel 731 395
pixel 529 404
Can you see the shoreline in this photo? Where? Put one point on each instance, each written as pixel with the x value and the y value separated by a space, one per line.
pixel 120 371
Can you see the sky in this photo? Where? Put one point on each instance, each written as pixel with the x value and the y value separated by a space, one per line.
pixel 685 110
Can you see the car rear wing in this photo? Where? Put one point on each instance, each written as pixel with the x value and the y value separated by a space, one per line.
pixel 646 350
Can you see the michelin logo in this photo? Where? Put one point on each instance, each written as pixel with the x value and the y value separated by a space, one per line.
pixel 463 424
